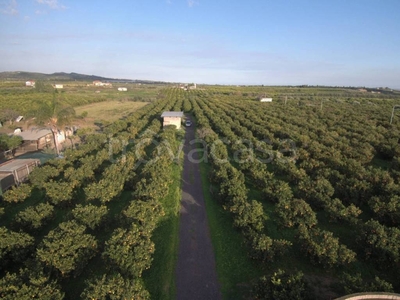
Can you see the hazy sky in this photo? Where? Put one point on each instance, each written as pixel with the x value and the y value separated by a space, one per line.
pixel 283 42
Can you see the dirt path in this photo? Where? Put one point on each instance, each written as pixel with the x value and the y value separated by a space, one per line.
pixel 196 276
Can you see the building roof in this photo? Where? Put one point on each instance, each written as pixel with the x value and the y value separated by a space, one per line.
pixel 4 175
pixel 16 164
pixel 33 134
pixel 177 114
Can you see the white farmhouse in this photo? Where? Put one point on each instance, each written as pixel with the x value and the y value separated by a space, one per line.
pixel 30 83
pixel 266 100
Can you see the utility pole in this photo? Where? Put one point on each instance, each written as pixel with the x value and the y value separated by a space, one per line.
pixel 394 107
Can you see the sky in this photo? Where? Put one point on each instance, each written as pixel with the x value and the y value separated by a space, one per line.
pixel 252 42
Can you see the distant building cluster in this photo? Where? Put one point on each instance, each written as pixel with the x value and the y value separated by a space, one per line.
pixel 97 83
pixel 32 83
pixel 186 87
pixel 365 91
pixel 100 83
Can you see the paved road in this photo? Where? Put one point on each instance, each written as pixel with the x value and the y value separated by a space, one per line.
pixel 196 276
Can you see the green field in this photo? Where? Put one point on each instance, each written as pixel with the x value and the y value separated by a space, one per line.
pixel 109 111
pixel 306 183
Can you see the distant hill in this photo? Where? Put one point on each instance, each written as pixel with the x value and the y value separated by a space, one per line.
pixel 62 76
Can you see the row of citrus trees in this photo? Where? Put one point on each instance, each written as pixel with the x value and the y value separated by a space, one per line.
pixel 345 161
pixel 272 149
pixel 89 217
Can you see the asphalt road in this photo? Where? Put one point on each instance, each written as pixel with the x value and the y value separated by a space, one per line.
pixel 196 276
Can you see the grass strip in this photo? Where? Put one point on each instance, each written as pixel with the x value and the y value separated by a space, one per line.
pixel 160 278
pixel 236 271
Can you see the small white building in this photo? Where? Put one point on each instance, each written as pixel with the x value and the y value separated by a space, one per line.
pixel 30 83
pixel 172 118
pixel 266 100
pixel 58 86
pixel 122 89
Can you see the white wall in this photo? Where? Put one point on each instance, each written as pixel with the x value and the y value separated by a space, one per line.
pixel 172 121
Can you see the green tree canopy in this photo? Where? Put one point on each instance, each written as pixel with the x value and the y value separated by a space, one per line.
pixel 295 212
pixel 14 246
pixel 67 248
pixel 282 286
pixel 90 215
pixel 115 287
pixel 34 217
pixel 15 286
pixel 9 142
pixel 129 251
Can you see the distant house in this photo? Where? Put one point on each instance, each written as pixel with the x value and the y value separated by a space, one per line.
pixel 16 171
pixel 30 83
pixel 266 100
pixel 122 89
pixel 58 86
pixel 172 118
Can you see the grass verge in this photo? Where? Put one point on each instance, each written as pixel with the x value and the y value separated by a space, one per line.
pixel 236 271
pixel 160 278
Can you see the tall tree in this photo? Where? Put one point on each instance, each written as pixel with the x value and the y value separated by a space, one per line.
pixel 9 142
pixel 53 114
pixel 8 115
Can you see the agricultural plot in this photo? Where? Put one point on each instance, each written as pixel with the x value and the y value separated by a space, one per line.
pixel 21 99
pixel 312 183
pixel 109 111
pixel 82 226
pixel 302 195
